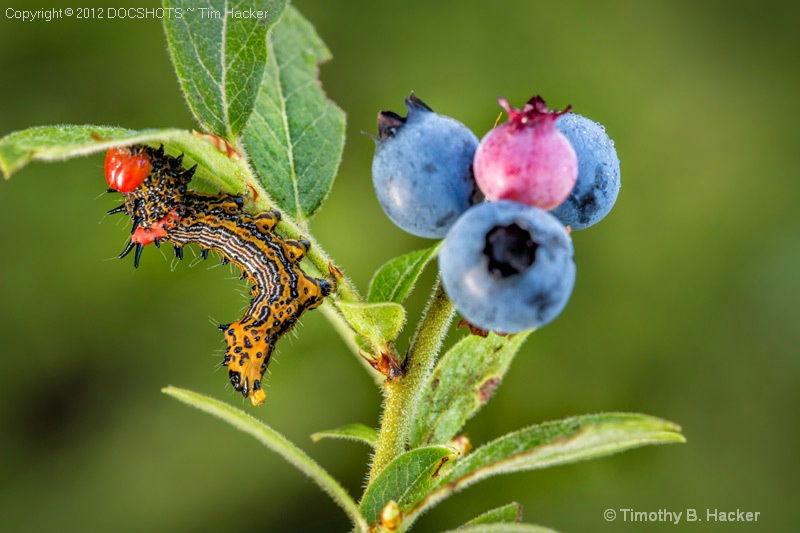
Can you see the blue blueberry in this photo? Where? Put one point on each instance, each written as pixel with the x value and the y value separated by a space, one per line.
pixel 422 169
pixel 598 182
pixel 507 267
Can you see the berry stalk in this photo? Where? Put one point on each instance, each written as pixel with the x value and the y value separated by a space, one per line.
pixel 404 392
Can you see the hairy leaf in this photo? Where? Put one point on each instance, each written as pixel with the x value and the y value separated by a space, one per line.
pixel 461 383
pixel 220 57
pixel 56 143
pixel 566 441
pixel 356 432
pixel 406 480
pixel 295 137
pixel 553 443
pixel 377 323
pixel 502 528
pixel 395 279
pixel 275 442
pixel 508 513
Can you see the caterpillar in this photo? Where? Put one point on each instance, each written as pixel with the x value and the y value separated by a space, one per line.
pixel 163 209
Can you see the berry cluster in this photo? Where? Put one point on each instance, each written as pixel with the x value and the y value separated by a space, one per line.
pixel 504 205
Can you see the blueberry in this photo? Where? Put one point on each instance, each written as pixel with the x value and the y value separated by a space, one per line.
pixel 527 159
pixel 422 169
pixel 598 182
pixel 507 267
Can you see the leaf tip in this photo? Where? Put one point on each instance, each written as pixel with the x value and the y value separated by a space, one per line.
pixel 669 429
pixel 680 438
pixel 176 392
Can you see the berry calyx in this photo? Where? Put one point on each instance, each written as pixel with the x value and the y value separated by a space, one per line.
pixel 527 159
pixel 510 250
pixel 535 110
pixel 126 168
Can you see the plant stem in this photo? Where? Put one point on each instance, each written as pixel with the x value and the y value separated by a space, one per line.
pixel 403 393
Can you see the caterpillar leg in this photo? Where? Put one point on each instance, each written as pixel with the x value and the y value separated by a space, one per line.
pixel 327 286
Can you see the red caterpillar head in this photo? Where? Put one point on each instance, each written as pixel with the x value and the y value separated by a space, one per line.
pixel 126 168
pixel 162 208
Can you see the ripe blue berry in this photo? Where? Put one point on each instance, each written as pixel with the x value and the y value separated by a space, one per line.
pixel 527 159
pixel 598 182
pixel 422 169
pixel 507 267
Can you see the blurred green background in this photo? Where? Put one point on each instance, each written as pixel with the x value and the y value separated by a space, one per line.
pixel 686 303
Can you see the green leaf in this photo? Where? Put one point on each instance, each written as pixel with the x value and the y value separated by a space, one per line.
pixel 275 442
pixel 357 432
pixel 220 58
pixel 406 480
pixel 511 512
pixel 502 528
pixel 460 384
pixel 395 279
pixel 377 323
pixel 566 441
pixel 56 143
pixel 295 137
pixel 553 443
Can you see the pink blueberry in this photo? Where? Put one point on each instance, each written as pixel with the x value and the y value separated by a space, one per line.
pixel 527 159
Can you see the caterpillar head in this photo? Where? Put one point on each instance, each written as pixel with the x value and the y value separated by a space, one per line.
pixel 127 167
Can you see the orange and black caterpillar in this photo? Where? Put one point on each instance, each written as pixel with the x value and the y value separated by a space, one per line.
pixel 163 209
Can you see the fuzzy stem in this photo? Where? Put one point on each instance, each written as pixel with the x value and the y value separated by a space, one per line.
pixel 403 393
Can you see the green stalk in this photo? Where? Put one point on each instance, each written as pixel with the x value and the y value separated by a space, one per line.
pixel 403 393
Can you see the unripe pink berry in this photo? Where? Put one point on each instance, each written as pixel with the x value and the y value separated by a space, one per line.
pixel 527 160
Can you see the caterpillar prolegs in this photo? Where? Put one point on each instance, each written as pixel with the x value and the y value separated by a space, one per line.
pixel 163 209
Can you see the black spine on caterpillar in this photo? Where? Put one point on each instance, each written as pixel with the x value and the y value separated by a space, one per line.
pixel 164 210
